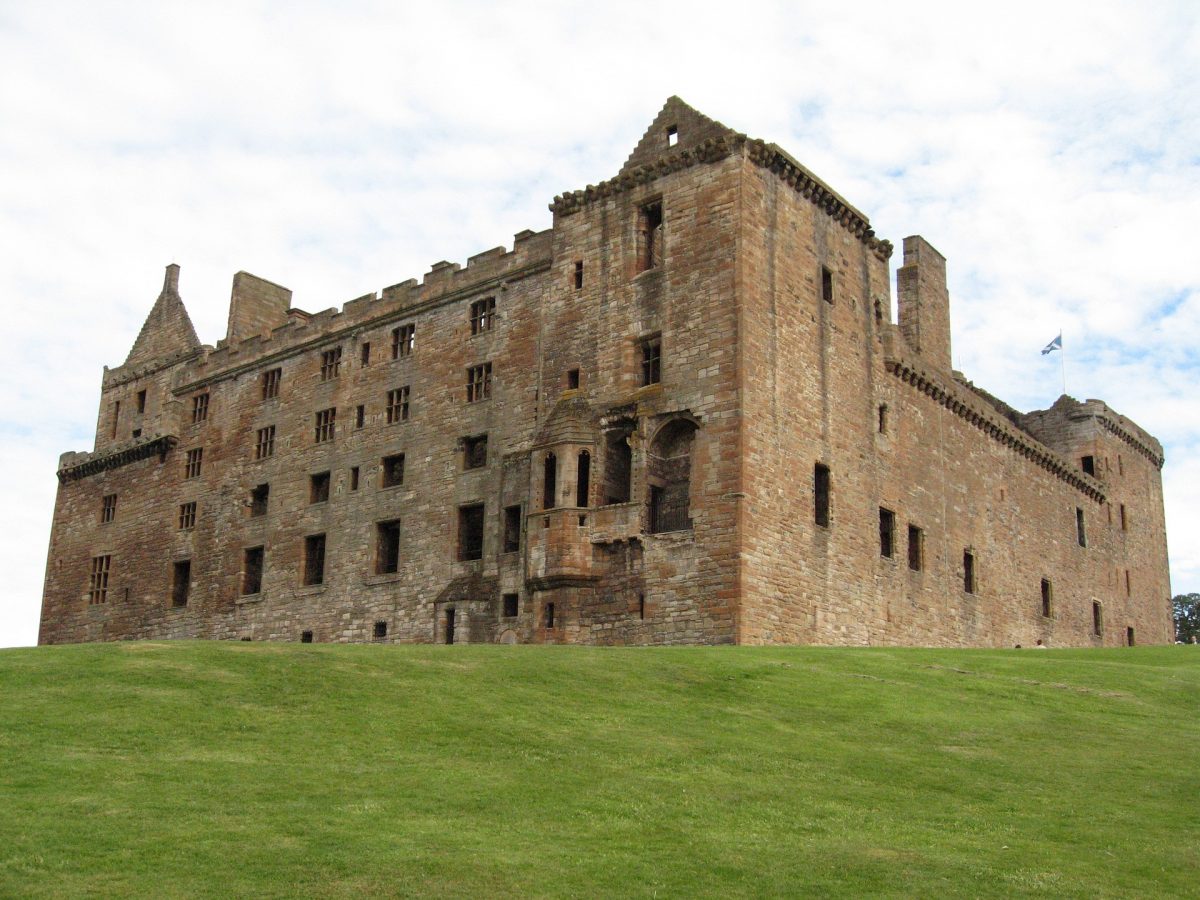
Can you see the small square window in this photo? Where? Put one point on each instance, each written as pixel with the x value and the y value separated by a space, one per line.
pixel 509 604
pixel 572 379
pixel 331 363
pixel 1088 464
pixel 475 451
pixel 199 408
pixel 259 498
pixel 393 470
pixel 672 136
pixel 318 488
pixel 306 637
pixel 380 631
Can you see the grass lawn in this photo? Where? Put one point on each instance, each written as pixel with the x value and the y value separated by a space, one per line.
pixel 235 769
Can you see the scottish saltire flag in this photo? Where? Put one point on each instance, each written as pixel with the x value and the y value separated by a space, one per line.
pixel 1055 344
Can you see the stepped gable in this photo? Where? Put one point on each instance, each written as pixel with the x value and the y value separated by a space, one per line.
pixel 691 128
pixel 168 329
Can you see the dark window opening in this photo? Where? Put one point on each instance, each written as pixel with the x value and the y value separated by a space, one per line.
pixel 652 360
pixel 252 570
pixel 510 606
pixel 1088 463
pixel 306 637
pixel 259 497
pixel 641 606
pixel 618 467
pixel 331 363
pixel 572 379
pixel 1128 585
pixel 137 433
pixel 821 495
pixel 1120 465
pixel 483 315
pixel 404 339
pixel 916 550
pixel 512 529
pixel 314 559
pixel 364 352
pixel 968 571
pixel 387 547
pixel 354 478
pixel 397 405
pixel 116 417
pixel 1124 519
pixel 883 418
pixel 380 631
pixel 199 408
pixel 181 582
pixel 479 382
pixel 887 533
pixel 318 488
pixel 470 532
pixel 141 401
pixel 650 235
pixel 1080 532
pixel 98 580
pixel 264 443
pixel 475 451
pixel 326 421
pixel 826 285
pixel 192 466
pixel 582 521
pixel 360 416
pixel 270 383
pixel 1129 641
pixel 549 615
pixel 1047 598
pixel 393 470
pixel 549 481
pixel 187 516
pixel 669 474
pixel 578 274
pixel 583 477
pixel 108 508
pixel 450 625
pixel 672 136
pixel 878 313
pixel 1097 619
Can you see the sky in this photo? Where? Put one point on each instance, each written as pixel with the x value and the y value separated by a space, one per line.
pixel 1050 150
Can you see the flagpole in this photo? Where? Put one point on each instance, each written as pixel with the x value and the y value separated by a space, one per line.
pixel 1062 358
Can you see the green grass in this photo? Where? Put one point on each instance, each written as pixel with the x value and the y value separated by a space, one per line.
pixel 233 769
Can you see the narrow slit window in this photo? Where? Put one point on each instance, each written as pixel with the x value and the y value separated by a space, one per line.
pixel 1097 619
pixel 578 274
pixel 1124 519
pixel 916 549
pixel 1047 598
pixel 968 571
pixel 887 533
pixel 883 418
pixel 826 285
pixel 141 402
pixel 549 481
pixel 354 478
pixel 572 379
pixel 512 529
pixel 1080 531
pixel 360 416
pixel 549 615
pixel 181 583
pixel 108 508
pixel 650 235
pixel 364 353
pixel 652 360
pixel 821 495
pixel 583 479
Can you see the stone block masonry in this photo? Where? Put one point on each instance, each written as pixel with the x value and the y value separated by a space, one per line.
pixel 680 415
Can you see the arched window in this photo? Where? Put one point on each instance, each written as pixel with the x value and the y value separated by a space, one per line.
pixel 669 475
pixel 583 475
pixel 549 481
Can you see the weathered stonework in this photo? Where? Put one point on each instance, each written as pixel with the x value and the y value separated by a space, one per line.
pixel 680 415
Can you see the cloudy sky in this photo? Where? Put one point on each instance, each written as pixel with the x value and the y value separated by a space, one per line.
pixel 1049 150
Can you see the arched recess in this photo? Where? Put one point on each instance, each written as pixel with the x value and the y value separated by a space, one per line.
pixel 669 476
pixel 618 466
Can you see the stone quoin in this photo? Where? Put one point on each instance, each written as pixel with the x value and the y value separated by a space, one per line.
pixel 683 414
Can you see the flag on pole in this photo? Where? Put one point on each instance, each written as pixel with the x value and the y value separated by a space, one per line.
pixel 1055 344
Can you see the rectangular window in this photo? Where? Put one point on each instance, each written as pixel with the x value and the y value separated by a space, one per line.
pixel 393 470
pixel 360 416
pixel 968 571
pixel 470 532
pixel 331 363
pixel 181 582
pixel 916 549
pixel 98 582
pixel 1097 619
pixel 194 459
pixel 252 570
pixel 887 533
pixel 652 360
pixel 264 445
pixel 572 379
pixel 883 418
pixel 387 547
pixel 314 559
pixel 1080 532
pixel 354 478
pixel 404 339
pixel 1124 519
pixel 326 422
pixel 475 452
pixel 821 495
pixel 512 529
pixel 306 637
pixel 199 408
pixel 318 488
pixel 270 383
pixel 650 236
pixel 1129 641
pixel 397 405
pixel 578 274
pixel 549 615
pixel 141 402
pixel 1047 598
pixel 108 508
pixel 509 606
pixel 483 315
pixel 259 498
pixel 364 353
pixel 479 382
pixel 826 285
pixel 380 631
pixel 1088 463
pixel 187 516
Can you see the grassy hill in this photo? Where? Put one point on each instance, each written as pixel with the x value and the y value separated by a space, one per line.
pixel 234 769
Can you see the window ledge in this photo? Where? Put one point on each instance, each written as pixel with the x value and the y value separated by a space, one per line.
pixel 384 578
pixel 244 599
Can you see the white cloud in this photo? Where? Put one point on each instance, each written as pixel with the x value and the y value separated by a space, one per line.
pixel 339 149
